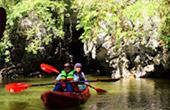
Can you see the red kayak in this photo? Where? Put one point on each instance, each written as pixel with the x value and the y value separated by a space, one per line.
pixel 54 100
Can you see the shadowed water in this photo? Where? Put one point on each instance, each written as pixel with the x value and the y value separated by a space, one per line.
pixel 125 94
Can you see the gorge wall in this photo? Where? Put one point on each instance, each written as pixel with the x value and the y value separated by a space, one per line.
pixel 125 45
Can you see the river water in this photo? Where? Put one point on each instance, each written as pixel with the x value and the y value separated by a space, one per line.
pixel 125 94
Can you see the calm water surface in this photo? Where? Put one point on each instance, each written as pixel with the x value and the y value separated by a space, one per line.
pixel 125 94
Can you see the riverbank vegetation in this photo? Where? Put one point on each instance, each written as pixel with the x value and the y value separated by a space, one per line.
pixel 120 18
pixel 34 24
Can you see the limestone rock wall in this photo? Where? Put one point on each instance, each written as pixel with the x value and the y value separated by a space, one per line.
pixel 138 56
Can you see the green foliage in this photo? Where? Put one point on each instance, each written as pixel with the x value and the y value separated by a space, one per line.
pixel 5 43
pixel 35 20
pixel 117 19
pixel 165 18
pixel 4 49
pixel 38 21
pixel 140 10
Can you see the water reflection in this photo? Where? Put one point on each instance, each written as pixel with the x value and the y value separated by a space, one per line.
pixel 134 94
pixel 145 93
pixel 126 94
pixel 18 105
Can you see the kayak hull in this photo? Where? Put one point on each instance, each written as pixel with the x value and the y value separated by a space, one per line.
pixel 54 100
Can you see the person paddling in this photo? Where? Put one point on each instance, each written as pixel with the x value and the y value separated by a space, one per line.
pixel 66 75
pixel 81 76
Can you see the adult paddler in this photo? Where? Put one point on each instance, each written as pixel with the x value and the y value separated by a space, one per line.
pixel 66 75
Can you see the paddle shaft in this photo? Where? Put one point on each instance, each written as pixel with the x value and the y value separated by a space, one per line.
pixel 102 80
pixel 43 84
pixel 61 83
pixel 97 89
pixel 91 86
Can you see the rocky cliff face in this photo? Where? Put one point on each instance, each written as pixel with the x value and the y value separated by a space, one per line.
pixel 136 52
pixel 140 55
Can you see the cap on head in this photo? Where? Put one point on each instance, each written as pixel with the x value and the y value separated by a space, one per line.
pixel 77 65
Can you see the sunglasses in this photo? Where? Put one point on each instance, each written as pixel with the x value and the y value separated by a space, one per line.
pixel 66 66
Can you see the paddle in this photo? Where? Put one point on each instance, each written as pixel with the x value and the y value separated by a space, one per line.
pixel 50 69
pixel 17 87
pixel 97 89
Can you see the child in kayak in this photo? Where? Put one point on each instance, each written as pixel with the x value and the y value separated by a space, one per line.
pixel 81 76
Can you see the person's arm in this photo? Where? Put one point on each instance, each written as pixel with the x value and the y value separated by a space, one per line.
pixel 57 79
pixel 82 73
pixel 84 77
pixel 76 78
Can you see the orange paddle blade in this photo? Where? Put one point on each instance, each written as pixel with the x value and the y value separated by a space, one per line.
pixel 48 68
pixel 97 89
pixel 16 87
pixel 100 90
